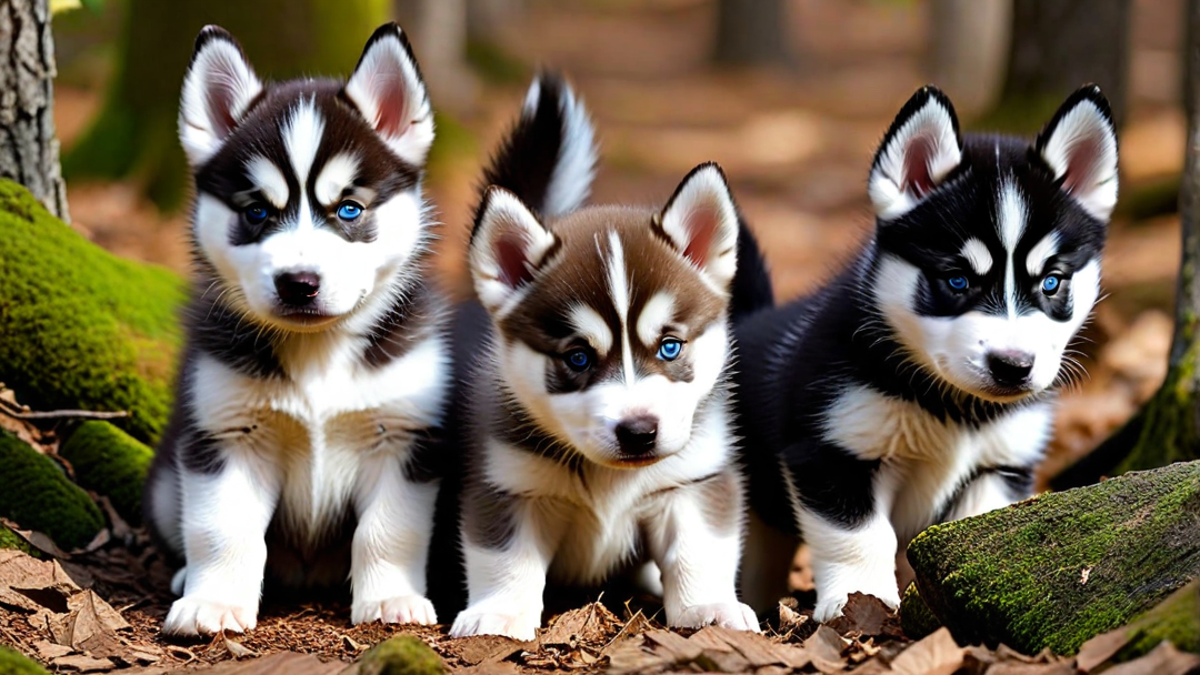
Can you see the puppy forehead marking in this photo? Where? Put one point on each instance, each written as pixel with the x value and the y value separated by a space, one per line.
pixel 269 179
pixel 302 132
pixel 1040 253
pixel 1010 216
pixel 656 313
pixel 618 288
pixel 978 256
pixel 588 323
pixel 337 174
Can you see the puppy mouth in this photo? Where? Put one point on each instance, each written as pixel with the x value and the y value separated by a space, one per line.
pixel 305 317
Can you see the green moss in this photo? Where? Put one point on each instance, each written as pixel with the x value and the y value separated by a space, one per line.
pixel 14 663
pixel 1058 569
pixel 10 540
pixel 1175 620
pixel 916 619
pixel 79 327
pixel 110 462
pixel 37 495
pixel 401 655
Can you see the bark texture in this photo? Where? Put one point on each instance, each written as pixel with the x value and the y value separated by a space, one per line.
pixel 1063 567
pixel 28 143
pixel 969 42
pixel 751 32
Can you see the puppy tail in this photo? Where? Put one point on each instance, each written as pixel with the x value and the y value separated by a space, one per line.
pixel 548 158
pixel 751 290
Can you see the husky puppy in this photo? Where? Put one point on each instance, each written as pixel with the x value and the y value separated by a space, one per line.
pixel 917 385
pixel 315 372
pixel 599 401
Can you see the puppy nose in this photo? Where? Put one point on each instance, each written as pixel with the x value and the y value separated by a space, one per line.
pixel 636 435
pixel 297 289
pixel 1010 368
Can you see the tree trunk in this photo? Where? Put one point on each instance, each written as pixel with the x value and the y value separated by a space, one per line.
pixel 751 32
pixel 438 32
pixel 1063 567
pixel 135 133
pixel 969 44
pixel 1058 45
pixel 1167 428
pixel 28 144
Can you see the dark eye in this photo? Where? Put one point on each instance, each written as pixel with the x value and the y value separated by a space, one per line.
pixel 349 211
pixel 578 360
pixel 958 283
pixel 1050 284
pixel 669 348
pixel 256 214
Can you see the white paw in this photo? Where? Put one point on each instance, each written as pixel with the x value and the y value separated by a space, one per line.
pixel 400 609
pixel 732 615
pixel 522 626
pixel 191 616
pixel 830 605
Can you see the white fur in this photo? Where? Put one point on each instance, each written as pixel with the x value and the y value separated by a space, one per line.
pixel 658 311
pixel 337 175
pixel 504 216
pixel 1010 222
pixel 1084 145
pixel 978 256
pixel 890 185
pixel 571 181
pixel 302 132
pixel 1042 251
pixel 218 74
pixel 386 84
pixel 270 180
pixel 618 289
pixel 592 327
pixel 705 194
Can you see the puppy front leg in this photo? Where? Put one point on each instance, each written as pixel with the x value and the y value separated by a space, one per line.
pixel 850 559
pixel 224 516
pixel 391 545
pixel 696 540
pixel 508 545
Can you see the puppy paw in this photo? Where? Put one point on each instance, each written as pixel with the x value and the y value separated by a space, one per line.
pixel 830 605
pixel 481 622
pixel 400 609
pixel 191 616
pixel 731 615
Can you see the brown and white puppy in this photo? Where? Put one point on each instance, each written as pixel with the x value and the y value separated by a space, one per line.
pixel 598 396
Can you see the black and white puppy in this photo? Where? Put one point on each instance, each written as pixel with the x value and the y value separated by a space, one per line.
pixel 316 368
pixel 917 385
pixel 598 409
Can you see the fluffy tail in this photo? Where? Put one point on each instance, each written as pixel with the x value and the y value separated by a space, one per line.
pixel 752 288
pixel 548 158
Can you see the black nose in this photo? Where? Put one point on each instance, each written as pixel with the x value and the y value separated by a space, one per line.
pixel 297 289
pixel 636 435
pixel 1010 369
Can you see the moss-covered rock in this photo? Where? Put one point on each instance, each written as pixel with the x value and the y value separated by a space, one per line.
pixel 1058 569
pixel 916 619
pixel 15 663
pixel 401 655
pixel 37 495
pixel 10 540
pixel 1175 620
pixel 110 462
pixel 79 327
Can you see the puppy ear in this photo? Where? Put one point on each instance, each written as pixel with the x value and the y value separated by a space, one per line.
pixel 508 245
pixel 387 89
pixel 217 90
pixel 1080 146
pixel 701 222
pixel 920 149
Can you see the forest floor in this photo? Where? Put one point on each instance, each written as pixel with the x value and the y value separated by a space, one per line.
pixel 796 144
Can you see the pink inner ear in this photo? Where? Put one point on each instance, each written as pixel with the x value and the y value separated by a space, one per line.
pixel 1082 160
pixel 916 165
pixel 701 226
pixel 389 91
pixel 219 97
pixel 510 254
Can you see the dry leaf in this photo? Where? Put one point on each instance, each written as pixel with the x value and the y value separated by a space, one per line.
pixel 593 624
pixel 29 584
pixel 238 650
pixel 1100 649
pixel 1164 659
pixel 90 625
pixel 48 650
pixel 866 615
pixel 82 663
pixel 936 654
pixel 825 648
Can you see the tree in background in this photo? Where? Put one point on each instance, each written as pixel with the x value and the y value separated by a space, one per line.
pixel 1058 45
pixel 135 134
pixel 968 46
pixel 1167 428
pixel 28 143
pixel 751 32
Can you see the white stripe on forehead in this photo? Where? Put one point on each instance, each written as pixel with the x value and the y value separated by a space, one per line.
pixel 589 324
pixel 657 312
pixel 978 256
pixel 1040 253
pixel 1010 222
pixel 302 136
pixel 269 179
pixel 337 175
pixel 618 288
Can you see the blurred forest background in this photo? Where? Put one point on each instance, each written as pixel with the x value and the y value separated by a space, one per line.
pixel 790 96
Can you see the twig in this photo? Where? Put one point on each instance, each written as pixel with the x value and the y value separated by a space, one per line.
pixel 65 414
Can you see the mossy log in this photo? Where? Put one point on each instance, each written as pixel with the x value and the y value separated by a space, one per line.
pixel 1060 568
pixel 37 495
pixel 401 655
pixel 916 619
pixel 110 462
pixel 81 328
pixel 1175 620
pixel 15 663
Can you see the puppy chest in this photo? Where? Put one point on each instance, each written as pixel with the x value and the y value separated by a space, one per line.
pixel 595 544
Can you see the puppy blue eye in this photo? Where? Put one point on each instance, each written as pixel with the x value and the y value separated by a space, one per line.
pixel 669 349
pixel 958 283
pixel 578 360
pixel 349 211
pixel 1050 284
pixel 256 214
